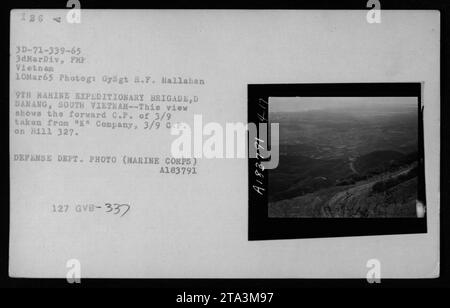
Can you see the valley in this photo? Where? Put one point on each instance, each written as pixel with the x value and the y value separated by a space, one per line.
pixel 346 163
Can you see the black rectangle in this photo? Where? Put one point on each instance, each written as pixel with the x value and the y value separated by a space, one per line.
pixel 262 227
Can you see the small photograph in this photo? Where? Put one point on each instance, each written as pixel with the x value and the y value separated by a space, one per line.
pixel 346 157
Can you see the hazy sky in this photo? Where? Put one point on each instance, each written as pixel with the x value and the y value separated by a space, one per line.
pixel 298 104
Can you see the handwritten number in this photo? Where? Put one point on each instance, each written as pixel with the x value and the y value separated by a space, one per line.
pixel 109 207
pixel 127 208
pixel 117 208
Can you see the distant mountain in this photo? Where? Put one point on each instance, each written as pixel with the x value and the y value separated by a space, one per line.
pixel 381 161
pixel 376 161
pixel 297 175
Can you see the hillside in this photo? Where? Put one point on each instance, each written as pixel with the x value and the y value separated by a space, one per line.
pixel 376 161
pixel 345 157
pixel 389 195
pixel 297 175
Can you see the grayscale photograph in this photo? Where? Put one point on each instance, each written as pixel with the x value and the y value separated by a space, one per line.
pixel 349 157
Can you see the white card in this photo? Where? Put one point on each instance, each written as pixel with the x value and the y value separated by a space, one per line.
pixel 94 185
